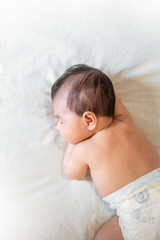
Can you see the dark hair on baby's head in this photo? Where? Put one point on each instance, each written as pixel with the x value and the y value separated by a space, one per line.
pixel 89 90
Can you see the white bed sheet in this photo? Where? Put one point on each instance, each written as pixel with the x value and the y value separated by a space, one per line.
pixel 40 39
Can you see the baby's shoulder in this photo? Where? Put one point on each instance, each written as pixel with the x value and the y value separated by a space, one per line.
pixel 88 148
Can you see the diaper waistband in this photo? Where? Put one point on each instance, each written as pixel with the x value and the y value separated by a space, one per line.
pixel 126 191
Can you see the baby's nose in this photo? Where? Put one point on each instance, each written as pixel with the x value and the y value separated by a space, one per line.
pixel 58 126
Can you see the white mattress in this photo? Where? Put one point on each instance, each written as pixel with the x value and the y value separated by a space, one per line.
pixel 39 40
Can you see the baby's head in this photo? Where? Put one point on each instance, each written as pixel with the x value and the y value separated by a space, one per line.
pixel 84 89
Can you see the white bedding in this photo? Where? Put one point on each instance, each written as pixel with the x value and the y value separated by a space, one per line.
pixel 39 40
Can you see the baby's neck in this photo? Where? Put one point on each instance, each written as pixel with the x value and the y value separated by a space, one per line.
pixel 103 123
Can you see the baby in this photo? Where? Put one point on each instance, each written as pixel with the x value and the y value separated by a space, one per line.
pixel 103 138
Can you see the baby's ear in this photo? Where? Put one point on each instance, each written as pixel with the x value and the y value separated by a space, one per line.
pixel 90 120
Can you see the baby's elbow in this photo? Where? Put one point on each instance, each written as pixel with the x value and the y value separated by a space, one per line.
pixel 73 175
pixel 66 174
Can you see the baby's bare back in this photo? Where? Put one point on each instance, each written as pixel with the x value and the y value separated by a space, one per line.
pixel 120 154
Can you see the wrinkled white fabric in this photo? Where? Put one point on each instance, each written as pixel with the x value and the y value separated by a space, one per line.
pixel 39 39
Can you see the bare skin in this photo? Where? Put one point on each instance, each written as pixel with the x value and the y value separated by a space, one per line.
pixel 110 230
pixel 114 150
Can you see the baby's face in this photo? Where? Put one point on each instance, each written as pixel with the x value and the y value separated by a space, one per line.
pixel 70 126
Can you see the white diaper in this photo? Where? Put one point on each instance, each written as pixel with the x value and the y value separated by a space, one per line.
pixel 138 207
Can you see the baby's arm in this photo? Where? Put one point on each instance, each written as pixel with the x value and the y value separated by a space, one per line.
pixel 74 165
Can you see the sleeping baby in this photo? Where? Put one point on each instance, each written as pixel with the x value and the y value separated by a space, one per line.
pixel 103 138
